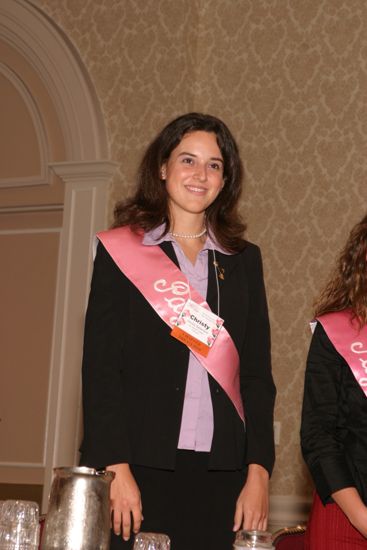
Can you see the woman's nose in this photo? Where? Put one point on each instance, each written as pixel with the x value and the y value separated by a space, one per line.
pixel 200 172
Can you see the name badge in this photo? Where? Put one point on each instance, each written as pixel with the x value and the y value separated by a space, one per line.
pixel 197 327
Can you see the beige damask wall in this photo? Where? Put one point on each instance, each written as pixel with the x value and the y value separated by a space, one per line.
pixel 290 79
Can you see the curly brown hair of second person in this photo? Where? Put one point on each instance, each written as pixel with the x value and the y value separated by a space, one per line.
pixel 347 287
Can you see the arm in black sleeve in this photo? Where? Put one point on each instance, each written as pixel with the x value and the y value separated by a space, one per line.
pixel 257 386
pixel 323 420
pixel 105 439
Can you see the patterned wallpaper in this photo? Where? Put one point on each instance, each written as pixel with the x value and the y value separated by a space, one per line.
pixel 290 79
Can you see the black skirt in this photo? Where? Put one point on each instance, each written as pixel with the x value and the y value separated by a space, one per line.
pixel 194 506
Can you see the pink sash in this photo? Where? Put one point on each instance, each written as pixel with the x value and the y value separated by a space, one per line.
pixel 166 289
pixel 349 341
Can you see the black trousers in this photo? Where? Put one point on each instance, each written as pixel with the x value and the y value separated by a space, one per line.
pixel 193 506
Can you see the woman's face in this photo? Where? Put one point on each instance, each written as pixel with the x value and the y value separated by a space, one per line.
pixel 193 174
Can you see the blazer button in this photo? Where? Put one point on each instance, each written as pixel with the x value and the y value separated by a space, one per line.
pixel 177 388
pixel 216 390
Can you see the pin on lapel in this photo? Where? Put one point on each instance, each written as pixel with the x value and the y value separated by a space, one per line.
pixel 220 270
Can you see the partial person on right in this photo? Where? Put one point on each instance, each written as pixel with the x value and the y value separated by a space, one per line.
pixel 334 415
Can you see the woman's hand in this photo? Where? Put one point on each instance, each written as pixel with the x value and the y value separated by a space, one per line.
pixel 351 504
pixel 125 501
pixel 252 505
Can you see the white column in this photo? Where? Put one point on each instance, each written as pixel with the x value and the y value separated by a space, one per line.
pixel 86 193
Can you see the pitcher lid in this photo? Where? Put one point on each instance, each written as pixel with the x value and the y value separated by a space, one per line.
pixel 82 470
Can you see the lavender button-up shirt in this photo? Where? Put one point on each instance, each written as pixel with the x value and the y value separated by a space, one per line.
pixel 197 423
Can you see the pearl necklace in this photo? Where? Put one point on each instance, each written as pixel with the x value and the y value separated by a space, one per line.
pixel 192 236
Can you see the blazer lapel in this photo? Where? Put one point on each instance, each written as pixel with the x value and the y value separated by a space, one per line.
pixel 233 293
pixel 168 249
pixel 226 265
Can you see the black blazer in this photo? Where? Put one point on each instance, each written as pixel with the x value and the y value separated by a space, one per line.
pixel 134 372
pixel 334 421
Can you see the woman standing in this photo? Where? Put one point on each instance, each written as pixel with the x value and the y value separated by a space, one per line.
pixel 177 403
pixel 334 417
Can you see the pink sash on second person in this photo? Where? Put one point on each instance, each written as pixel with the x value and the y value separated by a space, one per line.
pixel 350 341
pixel 166 289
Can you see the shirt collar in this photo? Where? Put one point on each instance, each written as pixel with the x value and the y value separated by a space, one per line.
pixel 154 237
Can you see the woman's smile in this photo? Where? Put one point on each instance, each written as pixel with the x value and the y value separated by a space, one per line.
pixel 196 190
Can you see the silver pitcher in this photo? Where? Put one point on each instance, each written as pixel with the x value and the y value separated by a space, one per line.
pixel 78 516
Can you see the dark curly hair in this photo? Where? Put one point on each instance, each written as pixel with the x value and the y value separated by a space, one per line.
pixel 347 288
pixel 148 207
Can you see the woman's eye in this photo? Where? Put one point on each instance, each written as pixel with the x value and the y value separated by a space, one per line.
pixel 187 160
pixel 216 166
